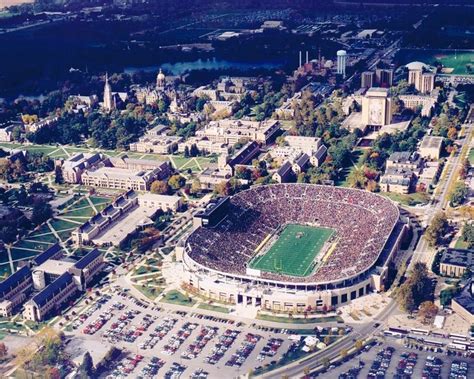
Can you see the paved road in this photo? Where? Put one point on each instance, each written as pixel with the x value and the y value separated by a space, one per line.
pixel 423 253
pixel 296 369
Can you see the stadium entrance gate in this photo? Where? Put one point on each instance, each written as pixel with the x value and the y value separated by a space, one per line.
pixel 249 300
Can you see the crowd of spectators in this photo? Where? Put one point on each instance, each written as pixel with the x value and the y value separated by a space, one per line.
pixel 362 221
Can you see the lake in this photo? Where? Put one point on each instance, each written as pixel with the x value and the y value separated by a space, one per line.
pixel 180 68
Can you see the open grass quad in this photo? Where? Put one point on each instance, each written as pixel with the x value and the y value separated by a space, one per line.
pixel 294 251
pixel 57 229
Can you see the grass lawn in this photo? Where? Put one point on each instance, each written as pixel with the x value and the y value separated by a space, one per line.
pixel 356 158
pixel 150 292
pixel 145 270
pixel 24 254
pixel 214 308
pixel 288 320
pixel 471 156
pixel 5 270
pixel 461 244
pixel 176 297
pixel 410 199
pixel 42 237
pixel 61 224
pixel 294 251
pixel 83 212
pixel 33 245
pixel 99 200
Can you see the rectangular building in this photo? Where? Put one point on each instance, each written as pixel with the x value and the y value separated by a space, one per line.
pixel 430 147
pixel 232 131
pixel 455 262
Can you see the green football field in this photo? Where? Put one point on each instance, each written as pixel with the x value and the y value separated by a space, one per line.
pixel 294 251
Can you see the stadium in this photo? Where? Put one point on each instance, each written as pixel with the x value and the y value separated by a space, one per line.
pixel 293 247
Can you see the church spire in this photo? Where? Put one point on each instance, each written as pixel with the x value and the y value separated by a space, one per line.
pixel 108 101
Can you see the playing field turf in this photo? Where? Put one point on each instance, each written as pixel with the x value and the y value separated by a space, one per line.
pixel 294 251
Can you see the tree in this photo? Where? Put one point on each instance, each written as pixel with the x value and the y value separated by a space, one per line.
pixel 356 178
pixel 468 235
pixel 416 289
pixel 223 188
pixel 196 186
pixel 3 350
pixel 427 310
pixel 86 369
pixel 186 151
pixel 58 175
pixel 343 353
pixel 459 194
pixel 159 187
pixel 41 213
pixel 436 229
pixel 359 344
pixel 176 181
pixel 466 166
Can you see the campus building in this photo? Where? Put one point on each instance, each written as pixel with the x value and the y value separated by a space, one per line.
pixel 376 107
pixel 421 76
pixel 463 304
pixel 122 217
pixel 232 131
pixel 430 147
pixel 49 280
pixel 74 167
pixel 455 262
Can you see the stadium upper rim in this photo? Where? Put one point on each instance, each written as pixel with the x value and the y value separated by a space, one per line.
pixel 386 211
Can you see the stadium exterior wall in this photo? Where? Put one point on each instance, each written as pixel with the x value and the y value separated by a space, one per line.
pixel 289 296
pixel 281 296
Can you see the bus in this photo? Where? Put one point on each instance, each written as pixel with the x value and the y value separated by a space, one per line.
pixel 398 330
pixel 457 346
pixel 457 337
pixel 422 332
pixel 389 333
pixel 434 343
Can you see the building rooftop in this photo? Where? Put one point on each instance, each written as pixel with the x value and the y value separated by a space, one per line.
pixel 47 254
pixel 82 263
pixel 13 280
pixel 458 257
pixel 55 267
pixel 49 292
pixel 466 298
pixel 284 169
pixel 430 142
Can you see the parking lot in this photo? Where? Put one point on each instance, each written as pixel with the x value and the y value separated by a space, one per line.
pixel 395 360
pixel 165 343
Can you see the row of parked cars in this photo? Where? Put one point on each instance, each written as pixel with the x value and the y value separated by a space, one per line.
pixel 125 367
pixel 175 371
pixel 160 332
pixel 239 357
pixel 177 339
pixel 205 335
pixel 433 367
pixel 459 370
pixel 270 349
pixel 381 363
pixel 406 365
pixel 213 318
pixel 152 368
pixel 224 343
pixel 89 312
